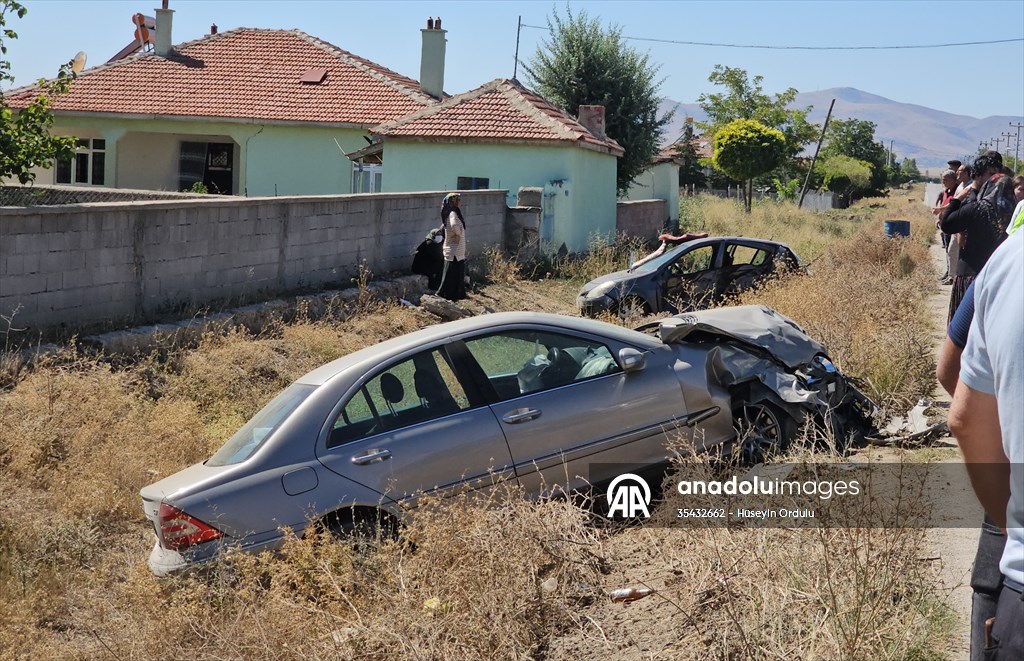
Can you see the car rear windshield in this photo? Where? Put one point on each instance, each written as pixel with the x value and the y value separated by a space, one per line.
pixel 252 435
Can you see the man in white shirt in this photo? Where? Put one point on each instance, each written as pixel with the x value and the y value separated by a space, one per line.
pixel 987 418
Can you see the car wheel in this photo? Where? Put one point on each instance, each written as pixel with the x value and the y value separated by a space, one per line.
pixel 362 526
pixel 762 429
pixel 633 307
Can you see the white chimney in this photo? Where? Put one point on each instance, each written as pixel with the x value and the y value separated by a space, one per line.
pixel 432 60
pixel 164 23
pixel 592 118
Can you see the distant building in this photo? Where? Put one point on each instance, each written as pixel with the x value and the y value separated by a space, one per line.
pixel 502 135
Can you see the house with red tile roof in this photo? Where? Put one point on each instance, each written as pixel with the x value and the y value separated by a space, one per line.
pixel 502 135
pixel 245 112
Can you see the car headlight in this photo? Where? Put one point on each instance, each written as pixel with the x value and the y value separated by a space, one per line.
pixel 601 290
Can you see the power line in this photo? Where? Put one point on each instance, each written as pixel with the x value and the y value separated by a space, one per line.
pixel 764 47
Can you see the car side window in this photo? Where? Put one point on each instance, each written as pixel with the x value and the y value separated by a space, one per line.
pixel 415 390
pixel 695 261
pixel 525 361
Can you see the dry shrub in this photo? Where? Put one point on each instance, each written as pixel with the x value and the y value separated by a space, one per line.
pixel 497 267
pixel 865 302
pixel 232 376
pixel 468 580
pixel 86 436
pixel 600 258
pixel 808 233
pixel 758 592
pixel 853 593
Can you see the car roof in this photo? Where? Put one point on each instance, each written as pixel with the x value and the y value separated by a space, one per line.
pixel 372 355
pixel 733 239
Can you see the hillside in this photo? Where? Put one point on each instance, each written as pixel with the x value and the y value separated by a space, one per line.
pixel 930 136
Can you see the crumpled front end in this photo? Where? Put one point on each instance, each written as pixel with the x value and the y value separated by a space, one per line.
pixel 769 358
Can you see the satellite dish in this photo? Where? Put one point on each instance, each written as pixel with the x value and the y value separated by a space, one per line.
pixel 79 62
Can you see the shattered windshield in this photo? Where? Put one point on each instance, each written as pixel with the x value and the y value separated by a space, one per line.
pixel 656 263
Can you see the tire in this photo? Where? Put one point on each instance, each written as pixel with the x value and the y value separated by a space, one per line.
pixel 762 430
pixel 361 526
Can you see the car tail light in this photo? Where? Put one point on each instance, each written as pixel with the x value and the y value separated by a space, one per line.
pixel 179 530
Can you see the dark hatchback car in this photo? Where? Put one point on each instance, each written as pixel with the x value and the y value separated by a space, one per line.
pixel 687 277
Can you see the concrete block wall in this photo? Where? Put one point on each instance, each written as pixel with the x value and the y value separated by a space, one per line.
pixel 643 218
pixel 110 263
pixel 22 196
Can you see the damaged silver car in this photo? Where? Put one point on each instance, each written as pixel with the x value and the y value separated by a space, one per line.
pixel 527 399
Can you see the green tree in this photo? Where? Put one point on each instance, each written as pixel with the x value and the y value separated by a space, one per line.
pixel 856 138
pixel 844 175
pixel 744 98
pixel 582 63
pixel 25 140
pixel 745 149
pixel 691 172
pixel 902 172
pixel 909 169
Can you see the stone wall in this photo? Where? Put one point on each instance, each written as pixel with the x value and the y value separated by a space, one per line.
pixel 106 264
pixel 25 196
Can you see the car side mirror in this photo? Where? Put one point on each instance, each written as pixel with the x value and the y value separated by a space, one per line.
pixel 632 360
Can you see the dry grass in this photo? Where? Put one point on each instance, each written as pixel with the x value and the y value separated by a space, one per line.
pixel 80 435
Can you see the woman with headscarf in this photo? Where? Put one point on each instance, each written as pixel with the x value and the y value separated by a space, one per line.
pixel 453 279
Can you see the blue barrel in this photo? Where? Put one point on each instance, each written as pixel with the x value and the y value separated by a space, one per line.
pixel 897 228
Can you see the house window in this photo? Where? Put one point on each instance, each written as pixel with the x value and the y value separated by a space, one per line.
pixel 472 183
pixel 366 177
pixel 86 166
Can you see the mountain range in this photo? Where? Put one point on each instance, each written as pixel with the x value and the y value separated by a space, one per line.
pixel 929 136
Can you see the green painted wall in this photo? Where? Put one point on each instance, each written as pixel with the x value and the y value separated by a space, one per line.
pixel 268 159
pixel 294 160
pixel 658 183
pixel 586 203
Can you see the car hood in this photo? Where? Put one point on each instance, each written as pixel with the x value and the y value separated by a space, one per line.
pixel 754 326
pixel 620 277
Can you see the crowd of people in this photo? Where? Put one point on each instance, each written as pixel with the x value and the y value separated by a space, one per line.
pixel 980 212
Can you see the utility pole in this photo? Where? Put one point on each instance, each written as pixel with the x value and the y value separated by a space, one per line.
pixel 515 67
pixel 1008 136
pixel 997 141
pixel 807 180
pixel 1016 151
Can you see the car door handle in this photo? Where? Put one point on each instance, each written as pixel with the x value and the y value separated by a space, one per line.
pixel 370 456
pixel 520 415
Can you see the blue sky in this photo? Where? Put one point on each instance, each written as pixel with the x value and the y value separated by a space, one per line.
pixel 976 80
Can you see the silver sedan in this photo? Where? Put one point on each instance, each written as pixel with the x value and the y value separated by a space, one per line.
pixel 538 400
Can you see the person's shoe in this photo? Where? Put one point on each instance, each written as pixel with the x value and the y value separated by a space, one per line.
pixel 946 281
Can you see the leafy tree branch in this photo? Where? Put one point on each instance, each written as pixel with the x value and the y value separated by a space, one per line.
pixel 25 138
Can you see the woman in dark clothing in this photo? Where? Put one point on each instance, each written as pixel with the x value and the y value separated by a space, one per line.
pixel 453 280
pixel 978 221
pixel 428 259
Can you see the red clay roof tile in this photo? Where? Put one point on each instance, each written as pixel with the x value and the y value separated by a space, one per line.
pixel 499 111
pixel 247 73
